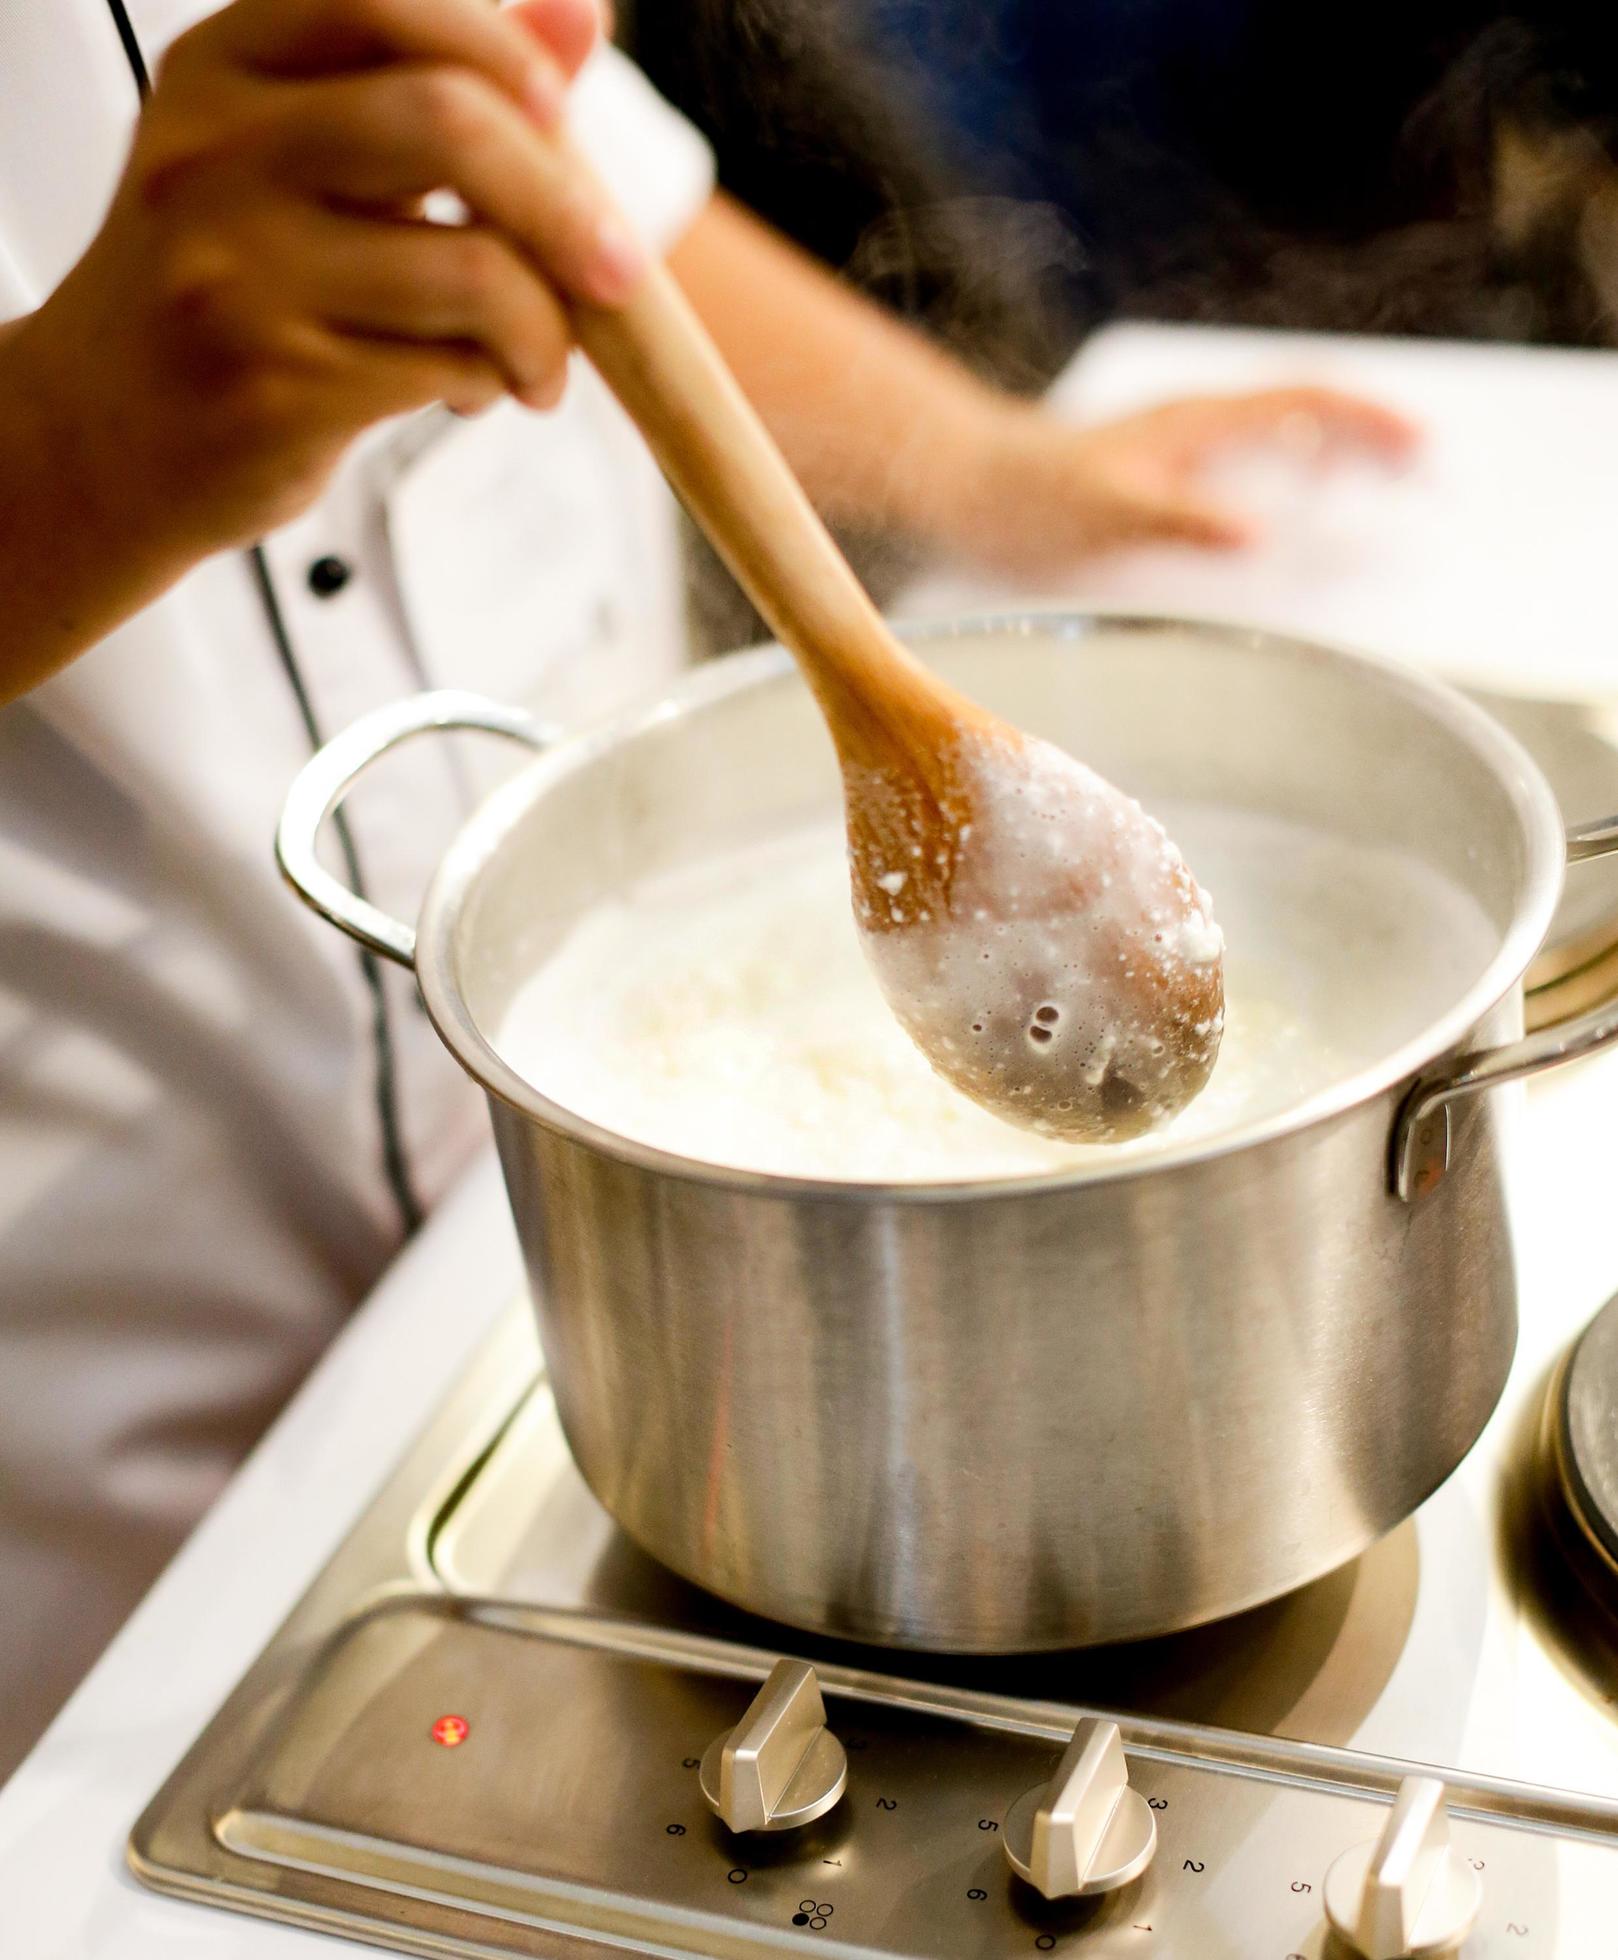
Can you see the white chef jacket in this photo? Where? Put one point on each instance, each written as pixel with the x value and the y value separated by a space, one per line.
pixel 192 1192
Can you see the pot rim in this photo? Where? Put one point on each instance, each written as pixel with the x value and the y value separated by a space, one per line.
pixel 481 836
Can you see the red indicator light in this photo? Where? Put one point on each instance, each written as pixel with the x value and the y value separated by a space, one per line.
pixel 450 1731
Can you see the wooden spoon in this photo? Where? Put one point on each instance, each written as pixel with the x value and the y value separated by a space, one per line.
pixel 1034 931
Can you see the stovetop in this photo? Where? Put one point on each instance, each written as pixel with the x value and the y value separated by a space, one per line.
pixel 482 1732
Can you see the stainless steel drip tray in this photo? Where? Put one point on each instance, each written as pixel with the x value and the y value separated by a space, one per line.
pixel 442 1774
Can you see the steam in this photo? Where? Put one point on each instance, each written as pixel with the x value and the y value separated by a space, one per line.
pixel 1444 171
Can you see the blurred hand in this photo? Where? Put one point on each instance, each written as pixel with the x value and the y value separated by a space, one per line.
pixel 266 283
pixel 1034 494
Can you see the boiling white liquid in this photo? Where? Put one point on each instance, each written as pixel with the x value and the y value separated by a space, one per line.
pixel 727 1013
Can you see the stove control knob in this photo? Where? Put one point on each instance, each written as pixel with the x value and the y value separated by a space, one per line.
pixel 1086 1831
pixel 780 1766
pixel 1408 1896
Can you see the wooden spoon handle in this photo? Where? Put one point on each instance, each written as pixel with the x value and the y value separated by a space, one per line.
pixel 658 359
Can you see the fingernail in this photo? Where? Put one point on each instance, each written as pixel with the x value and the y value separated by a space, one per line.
pixel 617 262
pixel 544 95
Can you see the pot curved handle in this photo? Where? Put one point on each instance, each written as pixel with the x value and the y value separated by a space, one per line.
pixel 1421 1135
pixel 332 771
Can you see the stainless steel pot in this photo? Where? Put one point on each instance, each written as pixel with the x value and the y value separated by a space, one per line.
pixel 1076 1408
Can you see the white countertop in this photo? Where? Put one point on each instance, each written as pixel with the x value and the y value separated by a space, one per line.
pixel 64 1818
pixel 1487 559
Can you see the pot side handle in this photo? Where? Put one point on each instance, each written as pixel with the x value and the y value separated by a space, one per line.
pixel 332 771
pixel 1421 1134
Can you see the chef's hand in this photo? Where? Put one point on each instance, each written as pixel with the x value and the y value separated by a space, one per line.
pixel 265 284
pixel 1044 494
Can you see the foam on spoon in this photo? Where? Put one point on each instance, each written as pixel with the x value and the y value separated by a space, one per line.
pixel 1069 974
